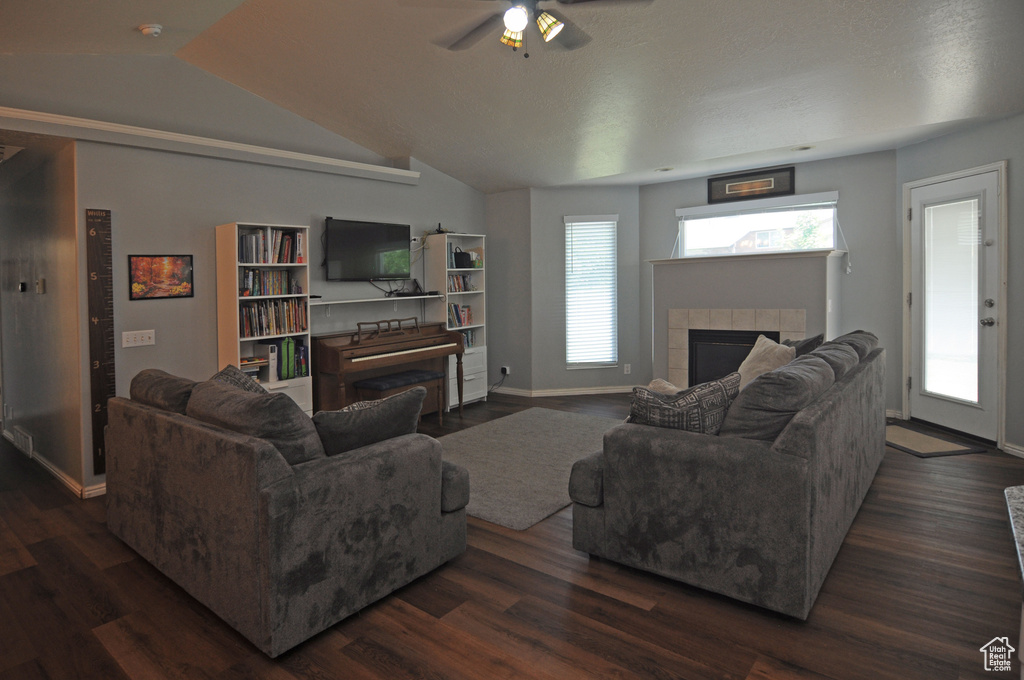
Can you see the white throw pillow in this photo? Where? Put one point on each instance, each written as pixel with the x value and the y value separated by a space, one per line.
pixel 767 355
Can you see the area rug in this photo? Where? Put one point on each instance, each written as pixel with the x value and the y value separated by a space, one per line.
pixel 927 445
pixel 519 465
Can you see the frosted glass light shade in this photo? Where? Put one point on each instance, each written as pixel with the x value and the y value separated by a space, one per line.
pixel 549 26
pixel 516 19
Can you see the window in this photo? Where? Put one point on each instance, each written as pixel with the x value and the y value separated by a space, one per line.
pixel 591 317
pixel 771 225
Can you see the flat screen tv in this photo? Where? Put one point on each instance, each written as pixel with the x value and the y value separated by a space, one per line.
pixel 366 251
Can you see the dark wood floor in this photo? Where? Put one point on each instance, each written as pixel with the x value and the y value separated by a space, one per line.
pixel 927 575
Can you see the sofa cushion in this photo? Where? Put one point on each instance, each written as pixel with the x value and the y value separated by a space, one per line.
pixel 805 346
pixel 766 355
pixel 663 387
pixel 862 341
pixel 840 357
pixel 162 390
pixel 697 409
pixel 273 417
pixel 454 487
pixel 234 376
pixel 368 422
pixel 765 407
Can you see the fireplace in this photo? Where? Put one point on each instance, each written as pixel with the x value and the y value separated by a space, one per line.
pixel 715 354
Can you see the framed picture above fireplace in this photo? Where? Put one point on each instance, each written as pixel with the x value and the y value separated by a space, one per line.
pixel 752 184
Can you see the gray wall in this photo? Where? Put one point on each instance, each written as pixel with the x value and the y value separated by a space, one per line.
pixel 40 342
pixel 547 244
pixel 509 270
pixel 1001 140
pixel 869 200
pixel 526 287
pixel 168 203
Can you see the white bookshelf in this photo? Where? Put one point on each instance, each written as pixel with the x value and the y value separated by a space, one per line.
pixel 263 295
pixel 464 289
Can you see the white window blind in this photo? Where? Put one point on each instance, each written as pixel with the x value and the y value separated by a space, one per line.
pixel 591 292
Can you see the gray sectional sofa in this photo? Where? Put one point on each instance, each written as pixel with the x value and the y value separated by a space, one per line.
pixel 751 513
pixel 284 533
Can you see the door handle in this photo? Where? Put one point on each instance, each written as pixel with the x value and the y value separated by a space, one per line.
pixel 988 321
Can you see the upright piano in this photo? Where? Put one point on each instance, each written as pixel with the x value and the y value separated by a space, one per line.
pixel 340 359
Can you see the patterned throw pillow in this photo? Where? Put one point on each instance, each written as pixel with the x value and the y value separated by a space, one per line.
pixel 700 408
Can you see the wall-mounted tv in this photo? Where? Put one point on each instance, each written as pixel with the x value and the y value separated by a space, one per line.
pixel 366 251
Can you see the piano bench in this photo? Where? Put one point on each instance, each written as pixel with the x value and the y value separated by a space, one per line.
pixel 394 383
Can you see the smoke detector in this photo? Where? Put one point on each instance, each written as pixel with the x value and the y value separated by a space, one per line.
pixel 152 30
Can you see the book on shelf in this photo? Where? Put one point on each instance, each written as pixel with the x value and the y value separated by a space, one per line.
pixel 469 338
pixel 459 315
pixel 460 283
pixel 254 282
pixel 272 317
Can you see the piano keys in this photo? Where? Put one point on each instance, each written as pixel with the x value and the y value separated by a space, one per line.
pixel 380 348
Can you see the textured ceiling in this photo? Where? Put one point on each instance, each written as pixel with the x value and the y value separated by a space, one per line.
pixel 696 86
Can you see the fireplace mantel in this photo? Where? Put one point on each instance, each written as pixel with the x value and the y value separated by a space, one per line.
pixel 752 292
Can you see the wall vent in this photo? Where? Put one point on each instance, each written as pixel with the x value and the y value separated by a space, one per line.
pixel 6 151
pixel 22 440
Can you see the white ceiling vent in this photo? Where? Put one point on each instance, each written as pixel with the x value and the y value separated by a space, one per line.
pixel 8 151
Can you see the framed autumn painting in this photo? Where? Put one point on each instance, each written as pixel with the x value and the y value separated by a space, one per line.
pixel 153 277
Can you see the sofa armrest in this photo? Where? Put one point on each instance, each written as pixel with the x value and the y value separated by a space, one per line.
pixel 346 530
pixel 454 487
pixel 586 482
pixel 726 514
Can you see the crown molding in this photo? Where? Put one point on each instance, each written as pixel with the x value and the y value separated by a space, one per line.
pixel 129 135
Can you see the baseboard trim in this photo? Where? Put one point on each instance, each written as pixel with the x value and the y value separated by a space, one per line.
pixel 1014 450
pixel 893 413
pixel 569 392
pixel 72 485
pixel 61 476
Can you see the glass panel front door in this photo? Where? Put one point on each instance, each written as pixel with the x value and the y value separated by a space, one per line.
pixel 951 268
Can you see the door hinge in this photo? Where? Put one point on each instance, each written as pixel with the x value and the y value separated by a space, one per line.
pixel 910 299
pixel 910 214
pixel 910 381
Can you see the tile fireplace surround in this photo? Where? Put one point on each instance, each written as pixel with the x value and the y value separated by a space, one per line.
pixel 790 323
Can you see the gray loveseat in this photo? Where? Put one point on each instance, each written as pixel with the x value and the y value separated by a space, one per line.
pixel 758 520
pixel 278 538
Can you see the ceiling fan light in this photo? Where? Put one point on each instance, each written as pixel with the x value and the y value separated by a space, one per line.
pixel 549 26
pixel 516 19
pixel 513 39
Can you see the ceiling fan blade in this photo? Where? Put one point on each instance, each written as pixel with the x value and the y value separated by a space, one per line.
pixel 439 4
pixel 606 2
pixel 464 39
pixel 572 37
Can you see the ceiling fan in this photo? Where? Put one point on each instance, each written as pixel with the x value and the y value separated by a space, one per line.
pixel 516 20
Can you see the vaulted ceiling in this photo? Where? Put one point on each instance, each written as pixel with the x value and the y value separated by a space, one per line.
pixel 663 89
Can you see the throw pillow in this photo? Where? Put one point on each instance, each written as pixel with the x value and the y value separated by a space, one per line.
pixel 160 389
pixel 234 376
pixel 662 387
pixel 804 346
pixel 765 407
pixel 700 408
pixel 862 341
pixel 367 422
pixel 841 357
pixel 274 417
pixel 767 355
